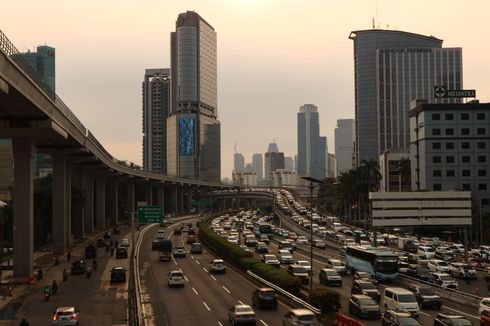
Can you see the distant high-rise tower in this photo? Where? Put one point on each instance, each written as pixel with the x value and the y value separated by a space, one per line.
pixel 311 149
pixel 156 106
pixel 289 163
pixel 258 165
pixel 391 68
pixel 193 129
pixel 273 147
pixel 273 161
pixel 344 142
pixel 239 162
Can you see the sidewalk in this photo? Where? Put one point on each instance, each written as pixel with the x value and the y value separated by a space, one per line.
pixel 45 260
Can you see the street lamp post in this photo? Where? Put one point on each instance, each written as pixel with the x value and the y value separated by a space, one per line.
pixel 311 187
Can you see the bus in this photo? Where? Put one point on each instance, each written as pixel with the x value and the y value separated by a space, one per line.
pixel 381 264
pixel 262 228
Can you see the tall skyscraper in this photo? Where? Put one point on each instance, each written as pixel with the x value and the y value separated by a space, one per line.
pixel 391 68
pixel 156 106
pixel 193 129
pixel 331 165
pixel 311 149
pixel 344 142
pixel 258 165
pixel 273 147
pixel 273 161
pixel 239 162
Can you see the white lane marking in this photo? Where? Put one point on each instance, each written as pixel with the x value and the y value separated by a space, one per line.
pixel 205 305
pixel 205 269
pixel 173 259
pixel 192 257
pixel 263 322
pixel 186 278
pixel 198 262
pixel 170 234
pixel 225 289
pixel 460 312
pixel 214 278
pixel 195 291
pixel 240 302
pixel 219 323
pixel 423 313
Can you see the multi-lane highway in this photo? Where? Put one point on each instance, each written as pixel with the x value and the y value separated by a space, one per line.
pixel 205 298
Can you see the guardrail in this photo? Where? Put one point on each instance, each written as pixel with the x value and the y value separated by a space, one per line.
pixel 285 293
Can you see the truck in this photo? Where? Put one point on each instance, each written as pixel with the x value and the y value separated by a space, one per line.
pixel 165 250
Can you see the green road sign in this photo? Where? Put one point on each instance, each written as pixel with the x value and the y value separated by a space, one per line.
pixel 150 214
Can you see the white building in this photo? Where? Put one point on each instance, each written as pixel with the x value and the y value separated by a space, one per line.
pixel 283 177
pixel 245 178
pixel 344 145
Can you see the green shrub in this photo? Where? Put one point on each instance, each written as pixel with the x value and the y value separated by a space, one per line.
pixel 325 299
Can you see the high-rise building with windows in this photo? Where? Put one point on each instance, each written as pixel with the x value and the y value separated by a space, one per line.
pixel 238 162
pixel 289 163
pixel 344 142
pixel 258 165
pixel 156 106
pixel 311 147
pixel 391 68
pixel 193 129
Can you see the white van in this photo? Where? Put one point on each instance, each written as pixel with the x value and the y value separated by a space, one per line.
pixel 400 299
pixel 427 251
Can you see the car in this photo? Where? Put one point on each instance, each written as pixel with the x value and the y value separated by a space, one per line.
pixel 320 244
pixel 365 287
pixel 337 265
pixel 426 296
pixel 250 241
pixel 305 264
pixel 420 272
pixel 66 316
pixel 217 266
pixel 364 307
pixel 462 270
pixel 176 278
pixel 398 318
pixel 365 276
pixel 261 248
pixel 265 239
pixel 191 238
pixel 155 244
pixel 271 260
pixel 179 251
pixel 242 314
pixel 438 266
pixel 285 256
pixel 485 317
pixel 296 317
pixel 121 252
pixel 329 277
pixel 101 242
pixel 398 298
pixel 484 304
pixel 196 248
pixel 286 245
pixel 78 267
pixel 264 298
pixel 445 280
pixel 118 275
pixel 232 239
pixel 160 234
pixel 124 243
pixel 451 320
pixel 299 272
pixel 90 252
pixel 302 239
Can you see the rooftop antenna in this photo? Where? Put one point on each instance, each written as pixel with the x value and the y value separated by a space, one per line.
pixel 373 23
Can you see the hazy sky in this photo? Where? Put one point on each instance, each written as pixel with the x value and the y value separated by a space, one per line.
pixel 273 56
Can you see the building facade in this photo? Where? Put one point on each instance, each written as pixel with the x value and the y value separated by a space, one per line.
pixel 449 148
pixel 394 167
pixel 344 144
pixel 273 161
pixel 311 149
pixel 238 162
pixel 331 165
pixel 245 179
pixel 193 129
pixel 289 163
pixel 391 68
pixel 258 165
pixel 156 107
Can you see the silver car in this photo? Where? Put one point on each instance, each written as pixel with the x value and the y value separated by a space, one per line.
pixel 242 314
pixel 66 316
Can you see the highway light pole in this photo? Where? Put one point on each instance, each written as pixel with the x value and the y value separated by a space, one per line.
pixel 311 187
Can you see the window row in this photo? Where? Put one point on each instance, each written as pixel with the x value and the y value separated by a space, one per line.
pixel 462 116
pixel 467 187
pixel 464 145
pixel 464 173
pixel 464 131
pixel 464 159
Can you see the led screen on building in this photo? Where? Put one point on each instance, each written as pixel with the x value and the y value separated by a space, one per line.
pixel 187 136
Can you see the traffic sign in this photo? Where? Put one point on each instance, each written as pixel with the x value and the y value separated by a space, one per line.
pixel 443 92
pixel 150 214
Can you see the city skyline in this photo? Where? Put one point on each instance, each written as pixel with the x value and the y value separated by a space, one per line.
pixel 323 76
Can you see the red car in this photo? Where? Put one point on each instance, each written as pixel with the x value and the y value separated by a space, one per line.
pixel 485 317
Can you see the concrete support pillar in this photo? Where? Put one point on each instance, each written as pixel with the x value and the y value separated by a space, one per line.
pixel 174 199
pixel 100 203
pixel 113 202
pixel 149 193
pixel 160 195
pixel 59 203
pixel 130 208
pixel 68 232
pixel 88 208
pixel 188 199
pixel 180 199
pixel 23 207
pixel 78 213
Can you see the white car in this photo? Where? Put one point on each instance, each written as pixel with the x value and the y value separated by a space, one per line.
pixel 337 265
pixel 484 304
pixel 124 243
pixel 305 264
pixel 179 251
pixel 176 278
pixel 285 256
pixel 66 316
pixel 232 239
pixel 438 266
pixel 302 239
pixel 217 266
